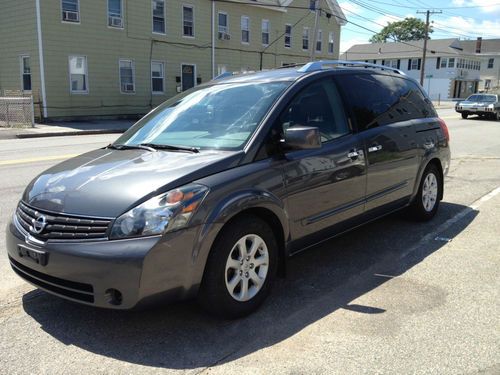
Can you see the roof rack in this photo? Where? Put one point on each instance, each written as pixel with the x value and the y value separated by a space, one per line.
pixel 223 75
pixel 231 74
pixel 319 65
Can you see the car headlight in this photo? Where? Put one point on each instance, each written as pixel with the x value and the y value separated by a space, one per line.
pixel 491 106
pixel 164 213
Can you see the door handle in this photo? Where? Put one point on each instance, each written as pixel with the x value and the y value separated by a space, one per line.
pixel 375 148
pixel 353 154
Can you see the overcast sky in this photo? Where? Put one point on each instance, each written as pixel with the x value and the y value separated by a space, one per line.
pixel 464 19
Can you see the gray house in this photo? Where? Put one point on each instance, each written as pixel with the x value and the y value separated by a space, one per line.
pixel 450 71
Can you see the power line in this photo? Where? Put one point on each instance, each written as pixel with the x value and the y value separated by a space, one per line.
pixel 457 7
pixel 399 17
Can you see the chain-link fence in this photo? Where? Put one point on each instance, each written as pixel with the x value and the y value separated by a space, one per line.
pixel 17 112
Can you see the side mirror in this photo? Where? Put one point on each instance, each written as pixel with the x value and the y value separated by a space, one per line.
pixel 302 138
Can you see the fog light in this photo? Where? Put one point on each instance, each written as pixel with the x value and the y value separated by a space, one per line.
pixel 113 296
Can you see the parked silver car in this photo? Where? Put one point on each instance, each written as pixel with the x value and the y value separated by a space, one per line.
pixel 483 105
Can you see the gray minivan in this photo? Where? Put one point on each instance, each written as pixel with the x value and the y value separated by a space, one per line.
pixel 209 193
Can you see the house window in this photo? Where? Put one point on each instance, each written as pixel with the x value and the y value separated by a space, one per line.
pixel 115 15
pixel 444 62
pixel 451 62
pixel 26 73
pixel 223 26
pixel 305 38
pixel 490 63
pixel 245 29
pixel 188 20
pixel 288 36
pixel 158 16
pixel 78 74
pixel 157 77
pixel 414 64
pixel 319 41
pixel 265 32
pixel 487 84
pixel 330 42
pixel 70 10
pixel 391 63
pixel 127 79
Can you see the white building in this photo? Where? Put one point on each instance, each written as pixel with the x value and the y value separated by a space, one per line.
pixel 450 72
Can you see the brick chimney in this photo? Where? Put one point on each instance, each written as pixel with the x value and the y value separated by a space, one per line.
pixel 478 44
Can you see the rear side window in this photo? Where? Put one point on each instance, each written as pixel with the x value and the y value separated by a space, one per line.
pixel 377 100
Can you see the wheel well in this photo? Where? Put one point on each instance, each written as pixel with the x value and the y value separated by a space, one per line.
pixel 437 163
pixel 274 222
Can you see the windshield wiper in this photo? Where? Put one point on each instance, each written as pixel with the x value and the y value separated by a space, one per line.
pixel 131 147
pixel 170 147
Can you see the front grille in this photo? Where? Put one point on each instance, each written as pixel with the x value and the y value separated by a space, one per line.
pixel 61 227
pixel 71 289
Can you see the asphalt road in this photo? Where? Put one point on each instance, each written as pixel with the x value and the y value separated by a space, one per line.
pixel 392 297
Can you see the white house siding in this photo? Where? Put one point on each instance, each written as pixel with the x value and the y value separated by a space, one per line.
pixel 437 88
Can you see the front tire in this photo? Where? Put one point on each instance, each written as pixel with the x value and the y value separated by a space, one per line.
pixel 465 115
pixel 426 203
pixel 240 269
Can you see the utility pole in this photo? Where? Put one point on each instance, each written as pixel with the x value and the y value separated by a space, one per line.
pixel 424 53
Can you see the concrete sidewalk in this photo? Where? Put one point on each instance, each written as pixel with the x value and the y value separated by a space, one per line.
pixel 65 128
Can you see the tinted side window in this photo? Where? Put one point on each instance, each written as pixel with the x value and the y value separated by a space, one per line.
pixel 377 99
pixel 412 99
pixel 318 105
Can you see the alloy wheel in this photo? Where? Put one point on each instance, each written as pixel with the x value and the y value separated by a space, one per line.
pixel 246 267
pixel 430 192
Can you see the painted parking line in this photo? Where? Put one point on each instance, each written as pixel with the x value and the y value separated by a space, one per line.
pixel 37 159
pixel 457 117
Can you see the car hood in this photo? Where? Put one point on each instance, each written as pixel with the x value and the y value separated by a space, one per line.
pixel 106 183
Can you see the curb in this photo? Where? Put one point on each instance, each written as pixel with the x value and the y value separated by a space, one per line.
pixel 67 133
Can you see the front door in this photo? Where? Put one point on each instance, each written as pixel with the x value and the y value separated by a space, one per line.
pixel 187 76
pixel 325 186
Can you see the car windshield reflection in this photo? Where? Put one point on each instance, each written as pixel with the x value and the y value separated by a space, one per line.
pixel 222 116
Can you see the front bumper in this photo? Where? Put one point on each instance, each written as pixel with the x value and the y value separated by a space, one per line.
pixel 474 110
pixel 142 270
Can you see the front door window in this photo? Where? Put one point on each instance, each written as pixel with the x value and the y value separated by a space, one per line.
pixel 187 77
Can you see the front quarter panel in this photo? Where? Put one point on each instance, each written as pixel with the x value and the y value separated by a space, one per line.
pixel 254 185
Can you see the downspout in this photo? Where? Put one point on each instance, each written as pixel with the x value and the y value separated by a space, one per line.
pixel 40 59
pixel 213 39
pixel 315 30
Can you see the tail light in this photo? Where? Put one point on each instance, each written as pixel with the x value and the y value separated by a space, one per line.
pixel 444 128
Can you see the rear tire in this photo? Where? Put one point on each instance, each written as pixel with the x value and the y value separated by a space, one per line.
pixel 240 269
pixel 426 203
pixel 465 115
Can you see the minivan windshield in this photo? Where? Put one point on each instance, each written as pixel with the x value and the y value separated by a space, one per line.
pixel 221 116
pixel 482 98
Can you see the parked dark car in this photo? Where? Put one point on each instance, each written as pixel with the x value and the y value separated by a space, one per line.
pixel 483 105
pixel 209 193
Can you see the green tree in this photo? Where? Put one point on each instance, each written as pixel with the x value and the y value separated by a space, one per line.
pixel 408 29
